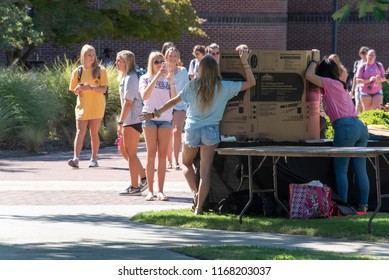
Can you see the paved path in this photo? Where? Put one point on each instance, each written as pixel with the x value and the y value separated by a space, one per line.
pixel 50 211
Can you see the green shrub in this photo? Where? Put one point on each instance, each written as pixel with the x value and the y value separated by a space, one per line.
pixel 38 106
pixel 375 117
pixel 32 139
pixel 8 119
pixel 33 104
pixel 385 89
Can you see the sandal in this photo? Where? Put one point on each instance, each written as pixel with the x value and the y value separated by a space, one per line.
pixel 177 166
pixel 169 165
pixel 149 197
pixel 162 197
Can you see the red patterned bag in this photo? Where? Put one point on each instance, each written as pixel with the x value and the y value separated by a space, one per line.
pixel 312 200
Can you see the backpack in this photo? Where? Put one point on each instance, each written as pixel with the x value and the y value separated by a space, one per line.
pixel 105 93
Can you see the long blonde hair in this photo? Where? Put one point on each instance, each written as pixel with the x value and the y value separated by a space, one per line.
pixel 173 49
pixel 95 65
pixel 152 56
pixel 207 80
pixel 129 60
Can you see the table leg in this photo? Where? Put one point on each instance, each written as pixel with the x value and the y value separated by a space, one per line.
pixel 250 171
pixel 275 184
pixel 378 186
pixel 251 184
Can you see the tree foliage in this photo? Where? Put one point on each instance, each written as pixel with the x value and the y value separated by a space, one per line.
pixel 17 28
pixel 76 21
pixel 377 7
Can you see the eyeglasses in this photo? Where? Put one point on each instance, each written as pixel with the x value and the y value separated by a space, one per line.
pixel 156 62
pixel 215 53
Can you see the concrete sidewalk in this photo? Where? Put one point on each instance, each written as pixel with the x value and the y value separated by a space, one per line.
pixel 50 211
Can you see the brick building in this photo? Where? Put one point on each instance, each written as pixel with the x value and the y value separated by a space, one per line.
pixel 261 24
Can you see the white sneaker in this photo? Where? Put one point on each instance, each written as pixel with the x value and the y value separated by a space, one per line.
pixel 161 196
pixel 93 163
pixel 150 197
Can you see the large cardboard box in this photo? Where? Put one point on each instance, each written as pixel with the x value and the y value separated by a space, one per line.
pixel 238 116
pixel 281 107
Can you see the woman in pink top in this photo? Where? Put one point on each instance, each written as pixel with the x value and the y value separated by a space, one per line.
pixel 349 130
pixel 370 76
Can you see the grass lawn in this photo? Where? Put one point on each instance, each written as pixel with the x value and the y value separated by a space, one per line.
pixel 350 227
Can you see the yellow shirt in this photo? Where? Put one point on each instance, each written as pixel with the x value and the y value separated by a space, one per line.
pixel 90 103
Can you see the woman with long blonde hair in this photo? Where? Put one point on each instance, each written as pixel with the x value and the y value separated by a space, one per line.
pixel 207 96
pixel 157 87
pixel 181 78
pixel 129 124
pixel 90 103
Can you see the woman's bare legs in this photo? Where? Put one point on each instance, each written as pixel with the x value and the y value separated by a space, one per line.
pixel 163 138
pixel 130 144
pixel 81 127
pixel 151 146
pixel 178 124
pixel 94 126
pixel 207 154
pixel 188 156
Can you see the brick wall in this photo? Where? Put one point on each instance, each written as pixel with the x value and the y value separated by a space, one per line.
pixel 310 26
pixel 261 24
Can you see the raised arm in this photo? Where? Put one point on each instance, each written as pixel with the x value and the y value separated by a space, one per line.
pixel 310 74
pixel 244 55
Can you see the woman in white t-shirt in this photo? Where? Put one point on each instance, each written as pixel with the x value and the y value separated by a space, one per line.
pixel 156 88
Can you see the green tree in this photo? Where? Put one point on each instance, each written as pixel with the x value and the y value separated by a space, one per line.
pixel 377 7
pixel 67 22
pixel 17 29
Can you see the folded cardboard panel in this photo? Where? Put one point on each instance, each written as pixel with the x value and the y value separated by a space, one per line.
pixel 281 107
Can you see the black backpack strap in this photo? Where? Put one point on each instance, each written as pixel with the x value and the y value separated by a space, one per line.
pixel 79 73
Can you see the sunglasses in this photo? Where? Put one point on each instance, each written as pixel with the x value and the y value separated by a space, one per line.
pixel 156 62
pixel 215 53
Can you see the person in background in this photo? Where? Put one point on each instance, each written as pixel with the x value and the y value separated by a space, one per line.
pixel 90 103
pixel 370 76
pixel 214 50
pixel 355 91
pixel 106 60
pixel 157 87
pixel 181 78
pixel 198 53
pixel 165 47
pixel 349 130
pixel 129 124
pixel 342 68
pixel 207 96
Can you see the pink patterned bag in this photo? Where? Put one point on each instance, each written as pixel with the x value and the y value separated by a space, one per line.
pixel 311 200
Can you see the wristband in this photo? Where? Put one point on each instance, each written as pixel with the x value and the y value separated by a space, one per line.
pixel 156 113
pixel 120 122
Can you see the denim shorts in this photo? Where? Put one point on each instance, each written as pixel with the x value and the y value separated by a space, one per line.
pixel 207 135
pixel 378 93
pixel 157 124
